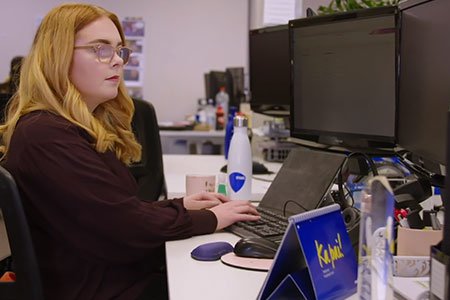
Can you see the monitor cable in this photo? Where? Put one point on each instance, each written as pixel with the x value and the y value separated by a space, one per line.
pixel 294 202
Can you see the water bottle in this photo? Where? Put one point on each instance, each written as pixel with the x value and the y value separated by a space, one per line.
pixel 229 129
pixel 240 162
pixel 211 114
pixel 223 100
pixel 200 117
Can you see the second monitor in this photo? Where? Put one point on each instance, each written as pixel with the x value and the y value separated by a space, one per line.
pixel 269 70
pixel 344 78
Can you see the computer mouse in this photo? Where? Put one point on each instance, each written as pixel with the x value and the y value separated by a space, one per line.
pixel 211 251
pixel 259 168
pixel 255 247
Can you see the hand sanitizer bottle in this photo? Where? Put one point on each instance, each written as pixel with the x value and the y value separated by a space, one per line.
pixel 240 162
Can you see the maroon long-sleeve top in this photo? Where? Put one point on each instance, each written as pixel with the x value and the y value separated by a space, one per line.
pixel 94 239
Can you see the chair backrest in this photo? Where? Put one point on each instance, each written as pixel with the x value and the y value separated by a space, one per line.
pixel 4 98
pixel 149 172
pixel 28 282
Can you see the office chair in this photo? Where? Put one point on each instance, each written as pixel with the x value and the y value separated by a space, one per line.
pixel 28 283
pixel 149 172
pixel 4 98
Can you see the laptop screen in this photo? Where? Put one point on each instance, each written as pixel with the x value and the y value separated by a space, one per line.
pixel 303 181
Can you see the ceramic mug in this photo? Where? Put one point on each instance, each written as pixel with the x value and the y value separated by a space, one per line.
pixel 200 183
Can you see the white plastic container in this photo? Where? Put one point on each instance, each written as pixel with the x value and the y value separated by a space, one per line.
pixel 240 162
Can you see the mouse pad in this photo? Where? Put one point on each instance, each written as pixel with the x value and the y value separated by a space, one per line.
pixel 254 264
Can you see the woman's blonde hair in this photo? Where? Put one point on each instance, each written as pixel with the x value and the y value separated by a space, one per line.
pixel 45 85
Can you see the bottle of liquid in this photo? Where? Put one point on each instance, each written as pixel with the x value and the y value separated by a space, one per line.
pixel 220 118
pixel 223 99
pixel 201 111
pixel 211 114
pixel 229 129
pixel 240 162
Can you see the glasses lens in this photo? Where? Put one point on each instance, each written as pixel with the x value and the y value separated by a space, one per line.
pixel 124 53
pixel 105 53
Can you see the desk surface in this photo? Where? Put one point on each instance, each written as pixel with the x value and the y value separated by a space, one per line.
pixel 192 279
pixel 192 133
pixel 177 166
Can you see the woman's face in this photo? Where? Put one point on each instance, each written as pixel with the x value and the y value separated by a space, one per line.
pixel 97 81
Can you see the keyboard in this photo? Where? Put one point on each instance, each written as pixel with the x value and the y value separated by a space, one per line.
pixel 271 226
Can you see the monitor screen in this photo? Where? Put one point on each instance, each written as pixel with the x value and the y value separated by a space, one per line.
pixel 344 78
pixel 424 89
pixel 235 85
pixel 213 81
pixel 270 70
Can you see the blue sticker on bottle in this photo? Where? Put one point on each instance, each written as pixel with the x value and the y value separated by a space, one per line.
pixel 237 181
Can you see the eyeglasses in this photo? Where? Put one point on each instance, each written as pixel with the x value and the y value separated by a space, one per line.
pixel 105 52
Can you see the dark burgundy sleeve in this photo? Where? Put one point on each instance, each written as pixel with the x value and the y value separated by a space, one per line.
pixel 81 197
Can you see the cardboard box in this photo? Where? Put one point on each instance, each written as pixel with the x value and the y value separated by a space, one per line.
pixel 416 242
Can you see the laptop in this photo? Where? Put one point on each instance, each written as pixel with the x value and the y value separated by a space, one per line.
pixel 301 185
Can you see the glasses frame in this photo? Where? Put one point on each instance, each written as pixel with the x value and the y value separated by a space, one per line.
pixel 97 47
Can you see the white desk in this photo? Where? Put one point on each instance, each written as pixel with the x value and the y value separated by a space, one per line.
pixel 171 139
pixel 177 166
pixel 191 279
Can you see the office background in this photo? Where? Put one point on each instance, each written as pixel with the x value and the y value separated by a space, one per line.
pixel 183 40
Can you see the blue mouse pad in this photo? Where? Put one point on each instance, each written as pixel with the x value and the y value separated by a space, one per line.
pixel 211 251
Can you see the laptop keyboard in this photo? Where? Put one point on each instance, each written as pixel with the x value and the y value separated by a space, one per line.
pixel 271 226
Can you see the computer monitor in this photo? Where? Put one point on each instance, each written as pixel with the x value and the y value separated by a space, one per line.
pixel 344 78
pixel 424 89
pixel 235 85
pixel 213 81
pixel 270 70
pixel 446 194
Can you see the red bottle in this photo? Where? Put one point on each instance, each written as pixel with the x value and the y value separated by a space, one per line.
pixel 220 118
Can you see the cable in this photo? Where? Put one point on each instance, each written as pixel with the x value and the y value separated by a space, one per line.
pixel 369 161
pixel 342 201
pixel 295 202
pixel 418 170
pixel 262 179
pixel 349 193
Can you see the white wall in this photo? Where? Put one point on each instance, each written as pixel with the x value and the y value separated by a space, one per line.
pixel 257 10
pixel 184 40
pixel 314 4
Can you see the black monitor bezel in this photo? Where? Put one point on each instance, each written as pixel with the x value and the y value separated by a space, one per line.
pixel 269 109
pixel 422 157
pixel 345 139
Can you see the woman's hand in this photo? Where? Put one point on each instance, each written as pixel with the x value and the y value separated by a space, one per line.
pixel 204 200
pixel 234 211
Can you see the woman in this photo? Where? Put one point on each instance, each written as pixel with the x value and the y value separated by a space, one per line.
pixel 67 142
